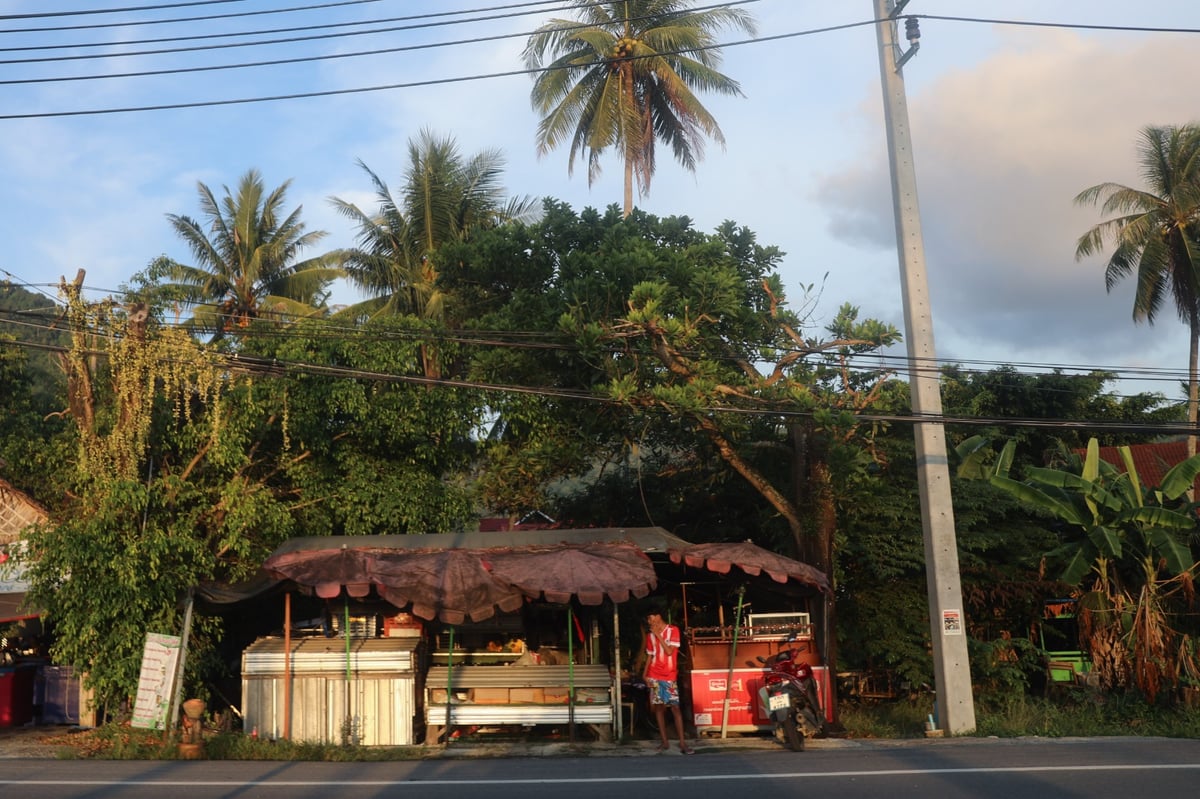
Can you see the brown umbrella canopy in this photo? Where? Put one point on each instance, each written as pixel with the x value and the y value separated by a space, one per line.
pixel 324 571
pixel 451 584
pixel 752 559
pixel 587 571
pixel 455 584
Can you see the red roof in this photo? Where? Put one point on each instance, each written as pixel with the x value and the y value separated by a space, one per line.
pixel 1152 461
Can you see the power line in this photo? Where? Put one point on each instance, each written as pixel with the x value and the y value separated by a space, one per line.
pixel 269 63
pixel 497 339
pixel 536 339
pixel 510 73
pixel 272 367
pixel 291 40
pixel 264 12
pixel 541 340
pixel 333 92
pixel 94 11
pixel 1059 25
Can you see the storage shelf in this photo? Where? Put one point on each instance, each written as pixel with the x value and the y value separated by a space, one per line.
pixel 761 632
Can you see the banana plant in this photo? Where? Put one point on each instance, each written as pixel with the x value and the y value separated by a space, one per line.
pixel 1120 521
pixel 1132 540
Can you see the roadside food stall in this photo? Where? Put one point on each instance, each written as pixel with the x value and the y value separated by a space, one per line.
pixel 354 690
pixel 474 595
pixel 725 671
pixel 18 666
pixel 20 626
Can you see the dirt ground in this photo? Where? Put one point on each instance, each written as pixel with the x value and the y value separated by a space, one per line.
pixel 40 741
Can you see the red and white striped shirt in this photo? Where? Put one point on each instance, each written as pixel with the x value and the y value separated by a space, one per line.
pixel 662 661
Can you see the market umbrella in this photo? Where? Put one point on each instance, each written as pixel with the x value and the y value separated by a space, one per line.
pixel 324 571
pixel 589 572
pixel 450 584
pixel 752 559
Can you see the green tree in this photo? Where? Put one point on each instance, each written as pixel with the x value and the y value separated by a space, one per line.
pixel 1156 236
pixel 1010 397
pixel 624 75
pixel 672 323
pixel 1002 541
pixel 247 259
pixel 688 356
pixel 882 601
pixel 368 446
pixel 34 439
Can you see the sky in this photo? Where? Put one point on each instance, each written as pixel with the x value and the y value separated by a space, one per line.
pixel 1009 123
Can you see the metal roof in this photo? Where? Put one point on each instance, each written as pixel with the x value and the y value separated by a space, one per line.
pixel 649 539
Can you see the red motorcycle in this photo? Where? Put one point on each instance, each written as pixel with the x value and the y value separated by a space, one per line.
pixel 789 695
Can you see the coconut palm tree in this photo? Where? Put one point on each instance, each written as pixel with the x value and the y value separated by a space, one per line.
pixel 1156 235
pixel 246 254
pixel 445 197
pixel 624 75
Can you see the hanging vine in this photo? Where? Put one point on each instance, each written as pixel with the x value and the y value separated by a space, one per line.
pixel 113 349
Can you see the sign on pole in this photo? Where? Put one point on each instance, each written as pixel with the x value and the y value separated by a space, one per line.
pixel 154 684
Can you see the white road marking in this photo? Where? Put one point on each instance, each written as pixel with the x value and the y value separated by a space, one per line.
pixel 741 777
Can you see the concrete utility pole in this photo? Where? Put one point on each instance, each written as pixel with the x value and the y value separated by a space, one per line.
pixel 952 672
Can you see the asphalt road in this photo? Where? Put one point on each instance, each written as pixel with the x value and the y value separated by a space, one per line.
pixel 1128 768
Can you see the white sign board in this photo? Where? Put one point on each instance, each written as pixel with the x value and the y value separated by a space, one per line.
pixel 159 661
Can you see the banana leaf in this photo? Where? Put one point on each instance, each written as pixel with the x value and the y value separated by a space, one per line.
pixel 1039 498
pixel 1178 556
pixel 1181 477
pixel 1079 565
pixel 1106 540
pixel 1134 480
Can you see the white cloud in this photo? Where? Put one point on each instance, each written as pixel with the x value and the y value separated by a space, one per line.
pixel 1002 148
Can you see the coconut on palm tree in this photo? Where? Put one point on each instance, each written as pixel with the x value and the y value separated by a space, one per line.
pixel 1156 235
pixel 624 75
pixel 445 197
pixel 247 254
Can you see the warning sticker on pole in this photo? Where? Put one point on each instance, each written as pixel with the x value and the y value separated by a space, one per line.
pixel 951 622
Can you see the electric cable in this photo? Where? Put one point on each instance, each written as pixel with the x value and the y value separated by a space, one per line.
pixel 125 10
pixel 863 363
pixel 108 56
pixel 512 73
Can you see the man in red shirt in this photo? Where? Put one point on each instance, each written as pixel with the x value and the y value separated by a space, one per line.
pixel 661 674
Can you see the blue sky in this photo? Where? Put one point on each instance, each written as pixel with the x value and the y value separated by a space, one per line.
pixel 1009 123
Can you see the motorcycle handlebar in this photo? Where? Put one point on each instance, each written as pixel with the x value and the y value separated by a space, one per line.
pixel 783 654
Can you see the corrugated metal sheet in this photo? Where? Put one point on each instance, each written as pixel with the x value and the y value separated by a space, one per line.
pixel 266 656
pixel 375 708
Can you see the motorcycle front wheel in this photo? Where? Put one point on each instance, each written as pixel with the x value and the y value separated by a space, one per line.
pixel 792 734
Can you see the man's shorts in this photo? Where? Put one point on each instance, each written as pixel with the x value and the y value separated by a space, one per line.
pixel 663 692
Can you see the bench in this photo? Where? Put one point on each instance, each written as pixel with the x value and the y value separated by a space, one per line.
pixel 524 695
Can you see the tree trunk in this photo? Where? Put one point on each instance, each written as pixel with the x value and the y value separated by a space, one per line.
pixel 1193 379
pixel 785 507
pixel 814 489
pixel 628 208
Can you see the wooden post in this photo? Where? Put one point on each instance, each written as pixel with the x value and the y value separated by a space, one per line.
pixel 287 666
